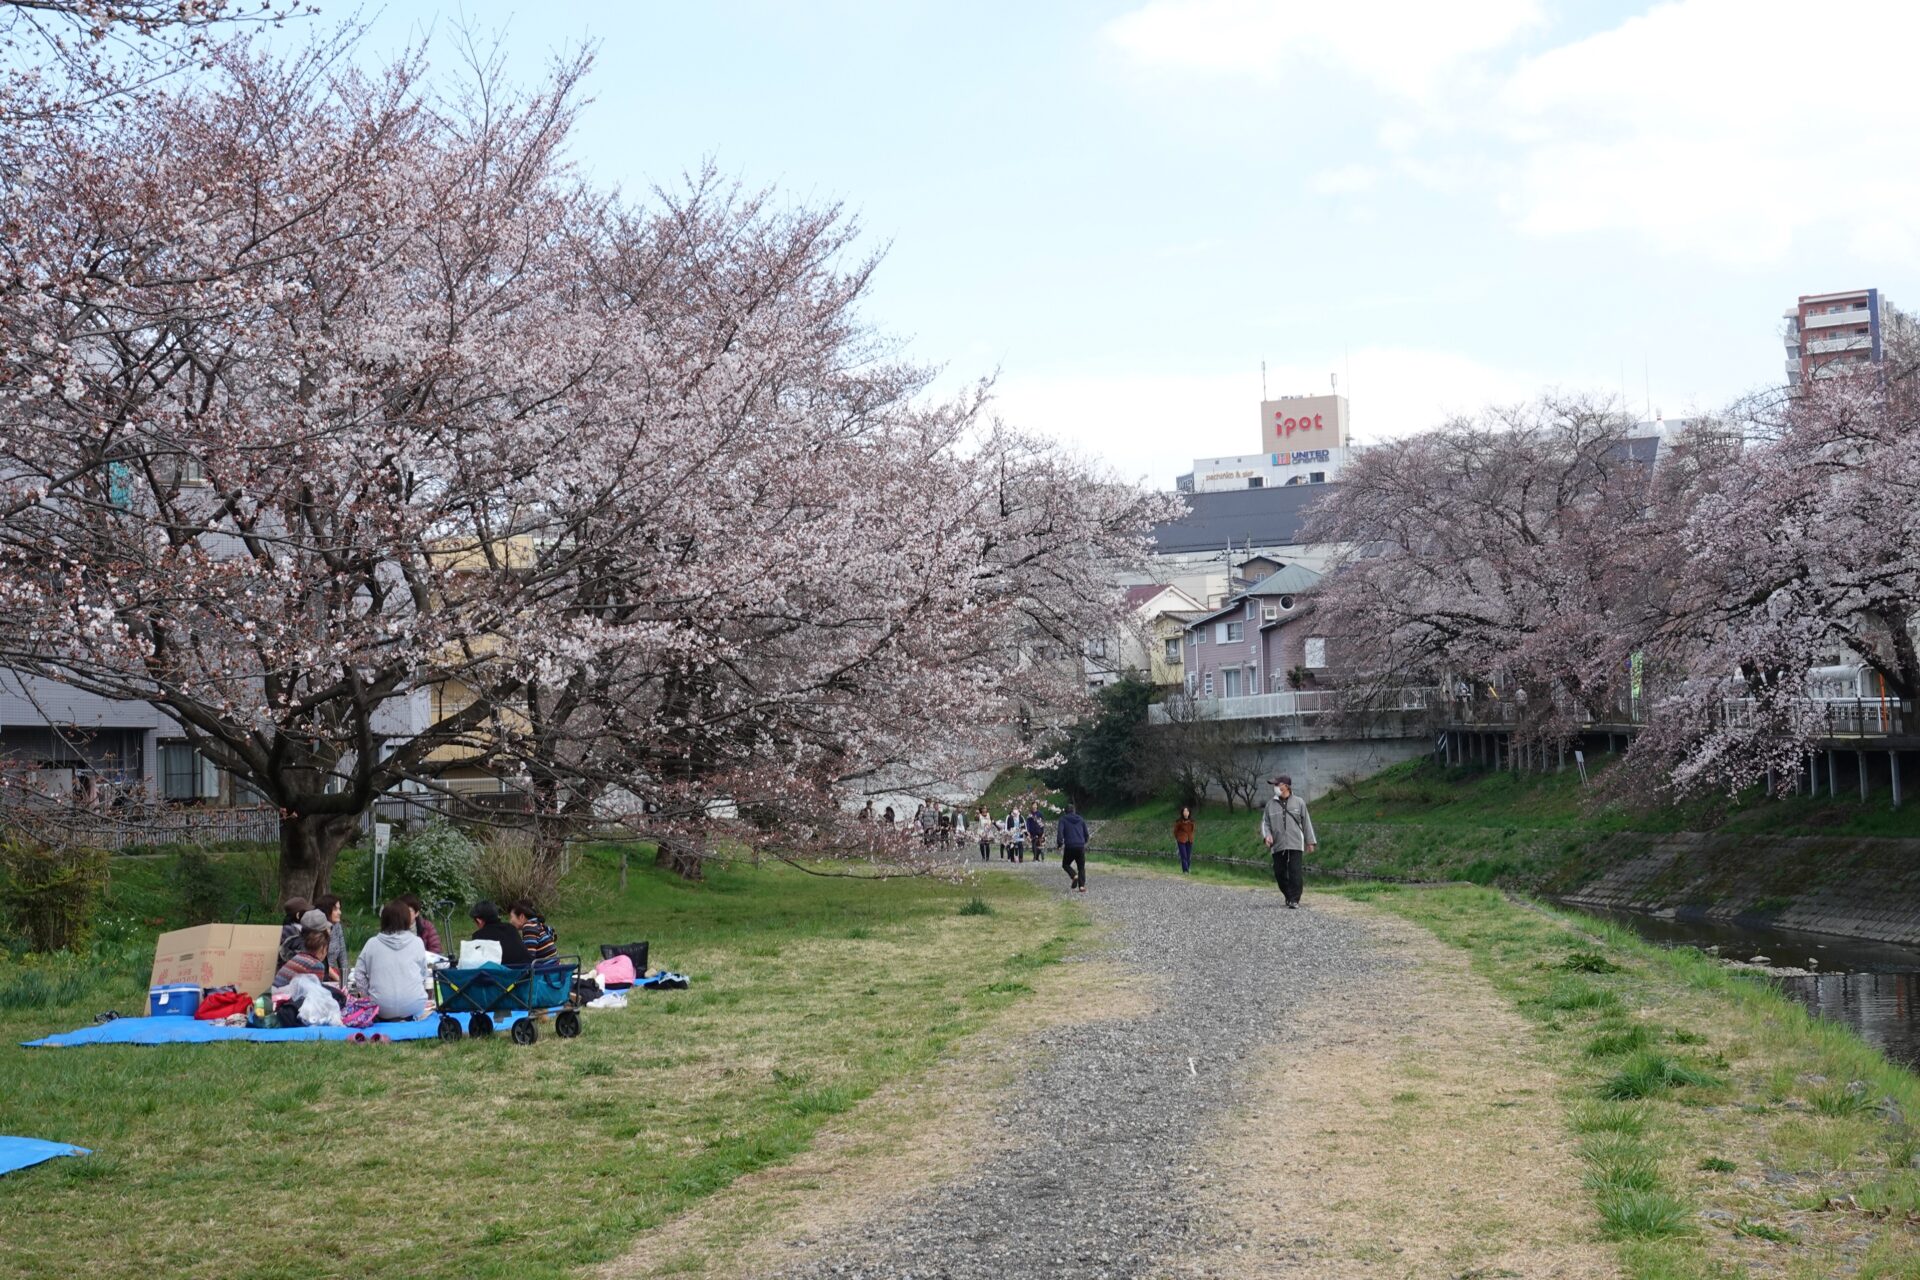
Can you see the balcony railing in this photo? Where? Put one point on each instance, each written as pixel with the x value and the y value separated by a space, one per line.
pixel 1850 342
pixel 1840 717
pixel 1290 705
pixel 1827 319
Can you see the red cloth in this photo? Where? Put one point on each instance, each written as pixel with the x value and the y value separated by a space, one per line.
pixel 223 1004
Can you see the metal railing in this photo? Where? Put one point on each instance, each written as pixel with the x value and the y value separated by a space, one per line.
pixel 1841 717
pixel 134 827
pixel 1297 703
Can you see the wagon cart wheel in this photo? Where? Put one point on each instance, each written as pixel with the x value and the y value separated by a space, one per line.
pixel 450 1028
pixel 566 1023
pixel 524 1032
pixel 479 1026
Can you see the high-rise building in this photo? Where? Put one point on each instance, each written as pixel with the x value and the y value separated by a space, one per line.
pixel 1835 333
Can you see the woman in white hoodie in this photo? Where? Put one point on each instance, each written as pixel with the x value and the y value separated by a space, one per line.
pixel 392 969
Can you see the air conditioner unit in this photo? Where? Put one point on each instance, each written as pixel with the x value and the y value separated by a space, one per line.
pixel 1269 614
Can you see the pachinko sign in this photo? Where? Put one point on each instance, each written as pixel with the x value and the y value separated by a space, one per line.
pixel 1312 422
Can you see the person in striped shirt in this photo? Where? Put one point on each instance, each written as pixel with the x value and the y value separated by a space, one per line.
pixel 541 943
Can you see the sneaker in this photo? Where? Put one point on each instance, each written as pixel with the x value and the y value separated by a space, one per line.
pixel 1293 906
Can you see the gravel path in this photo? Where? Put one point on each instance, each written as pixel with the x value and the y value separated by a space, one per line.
pixel 1103 1162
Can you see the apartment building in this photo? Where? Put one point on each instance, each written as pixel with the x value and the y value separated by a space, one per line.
pixel 1829 334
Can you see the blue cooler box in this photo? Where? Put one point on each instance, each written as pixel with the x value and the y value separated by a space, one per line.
pixel 177 1000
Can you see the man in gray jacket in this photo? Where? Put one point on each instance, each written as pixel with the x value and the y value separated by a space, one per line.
pixel 1288 830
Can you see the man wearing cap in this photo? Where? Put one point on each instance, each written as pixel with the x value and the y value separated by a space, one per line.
pixel 1288 830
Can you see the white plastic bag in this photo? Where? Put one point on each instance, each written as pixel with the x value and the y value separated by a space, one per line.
pixel 475 952
pixel 318 1008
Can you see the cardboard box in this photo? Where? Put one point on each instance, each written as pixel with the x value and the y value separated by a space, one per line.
pixel 219 955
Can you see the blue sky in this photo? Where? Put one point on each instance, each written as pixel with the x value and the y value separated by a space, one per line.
pixel 1123 208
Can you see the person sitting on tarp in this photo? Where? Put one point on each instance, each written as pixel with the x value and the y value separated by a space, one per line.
pixel 536 933
pixel 290 926
pixel 310 961
pixel 392 968
pixel 422 925
pixel 488 927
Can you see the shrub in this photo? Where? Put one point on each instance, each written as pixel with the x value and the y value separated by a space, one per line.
pixel 1588 962
pixel 976 906
pixel 51 892
pixel 436 862
pixel 509 866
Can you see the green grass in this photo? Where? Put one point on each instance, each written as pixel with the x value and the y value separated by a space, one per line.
pixel 1760 1083
pixel 1634 1214
pixel 486 1159
pixel 1419 821
pixel 1647 1074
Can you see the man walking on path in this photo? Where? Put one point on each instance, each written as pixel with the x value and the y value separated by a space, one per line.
pixel 1072 839
pixel 1288 830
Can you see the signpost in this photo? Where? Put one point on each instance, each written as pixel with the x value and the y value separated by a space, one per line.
pixel 382 839
pixel 1580 763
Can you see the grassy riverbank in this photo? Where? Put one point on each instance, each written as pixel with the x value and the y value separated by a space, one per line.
pixel 485 1159
pixel 1724 1131
pixel 1419 821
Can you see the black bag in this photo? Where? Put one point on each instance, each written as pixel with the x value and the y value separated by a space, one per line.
pixel 634 951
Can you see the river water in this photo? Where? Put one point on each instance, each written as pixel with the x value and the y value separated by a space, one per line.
pixel 1872 987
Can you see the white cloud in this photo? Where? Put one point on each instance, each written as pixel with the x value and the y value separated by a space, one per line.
pixel 1722 127
pixel 1347 180
pixel 1402 46
pixel 1151 428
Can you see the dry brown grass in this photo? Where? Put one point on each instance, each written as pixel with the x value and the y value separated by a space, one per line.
pixel 1414 1135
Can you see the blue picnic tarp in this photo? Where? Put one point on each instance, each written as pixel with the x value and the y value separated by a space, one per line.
pixel 194 1031
pixel 18 1153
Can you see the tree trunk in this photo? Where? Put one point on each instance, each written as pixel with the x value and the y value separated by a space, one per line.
pixel 683 864
pixel 310 844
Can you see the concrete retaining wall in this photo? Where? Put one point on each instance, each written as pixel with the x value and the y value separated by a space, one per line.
pixel 1856 888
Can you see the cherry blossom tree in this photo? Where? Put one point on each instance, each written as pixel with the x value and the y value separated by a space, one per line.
pixel 1508 547
pixel 323 392
pixel 1799 554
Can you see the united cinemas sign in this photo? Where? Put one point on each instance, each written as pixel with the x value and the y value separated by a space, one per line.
pixel 1315 422
pixel 1301 457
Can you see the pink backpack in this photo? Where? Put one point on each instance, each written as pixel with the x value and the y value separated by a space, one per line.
pixel 359 1012
pixel 616 970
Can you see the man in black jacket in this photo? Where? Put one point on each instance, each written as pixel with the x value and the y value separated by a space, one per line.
pixel 1072 840
pixel 488 927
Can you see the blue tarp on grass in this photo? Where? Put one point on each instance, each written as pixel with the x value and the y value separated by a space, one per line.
pixel 18 1153
pixel 193 1031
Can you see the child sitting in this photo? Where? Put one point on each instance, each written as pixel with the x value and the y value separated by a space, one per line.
pixel 535 932
pixel 310 961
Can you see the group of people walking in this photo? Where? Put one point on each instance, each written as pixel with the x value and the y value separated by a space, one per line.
pixel 1286 829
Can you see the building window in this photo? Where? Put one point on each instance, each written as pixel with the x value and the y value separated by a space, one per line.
pixel 1230 687
pixel 1316 654
pixel 1096 648
pixel 185 774
pixel 1173 650
pixel 1318 477
pixel 1236 632
pixel 1257 482
pixel 1206 685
